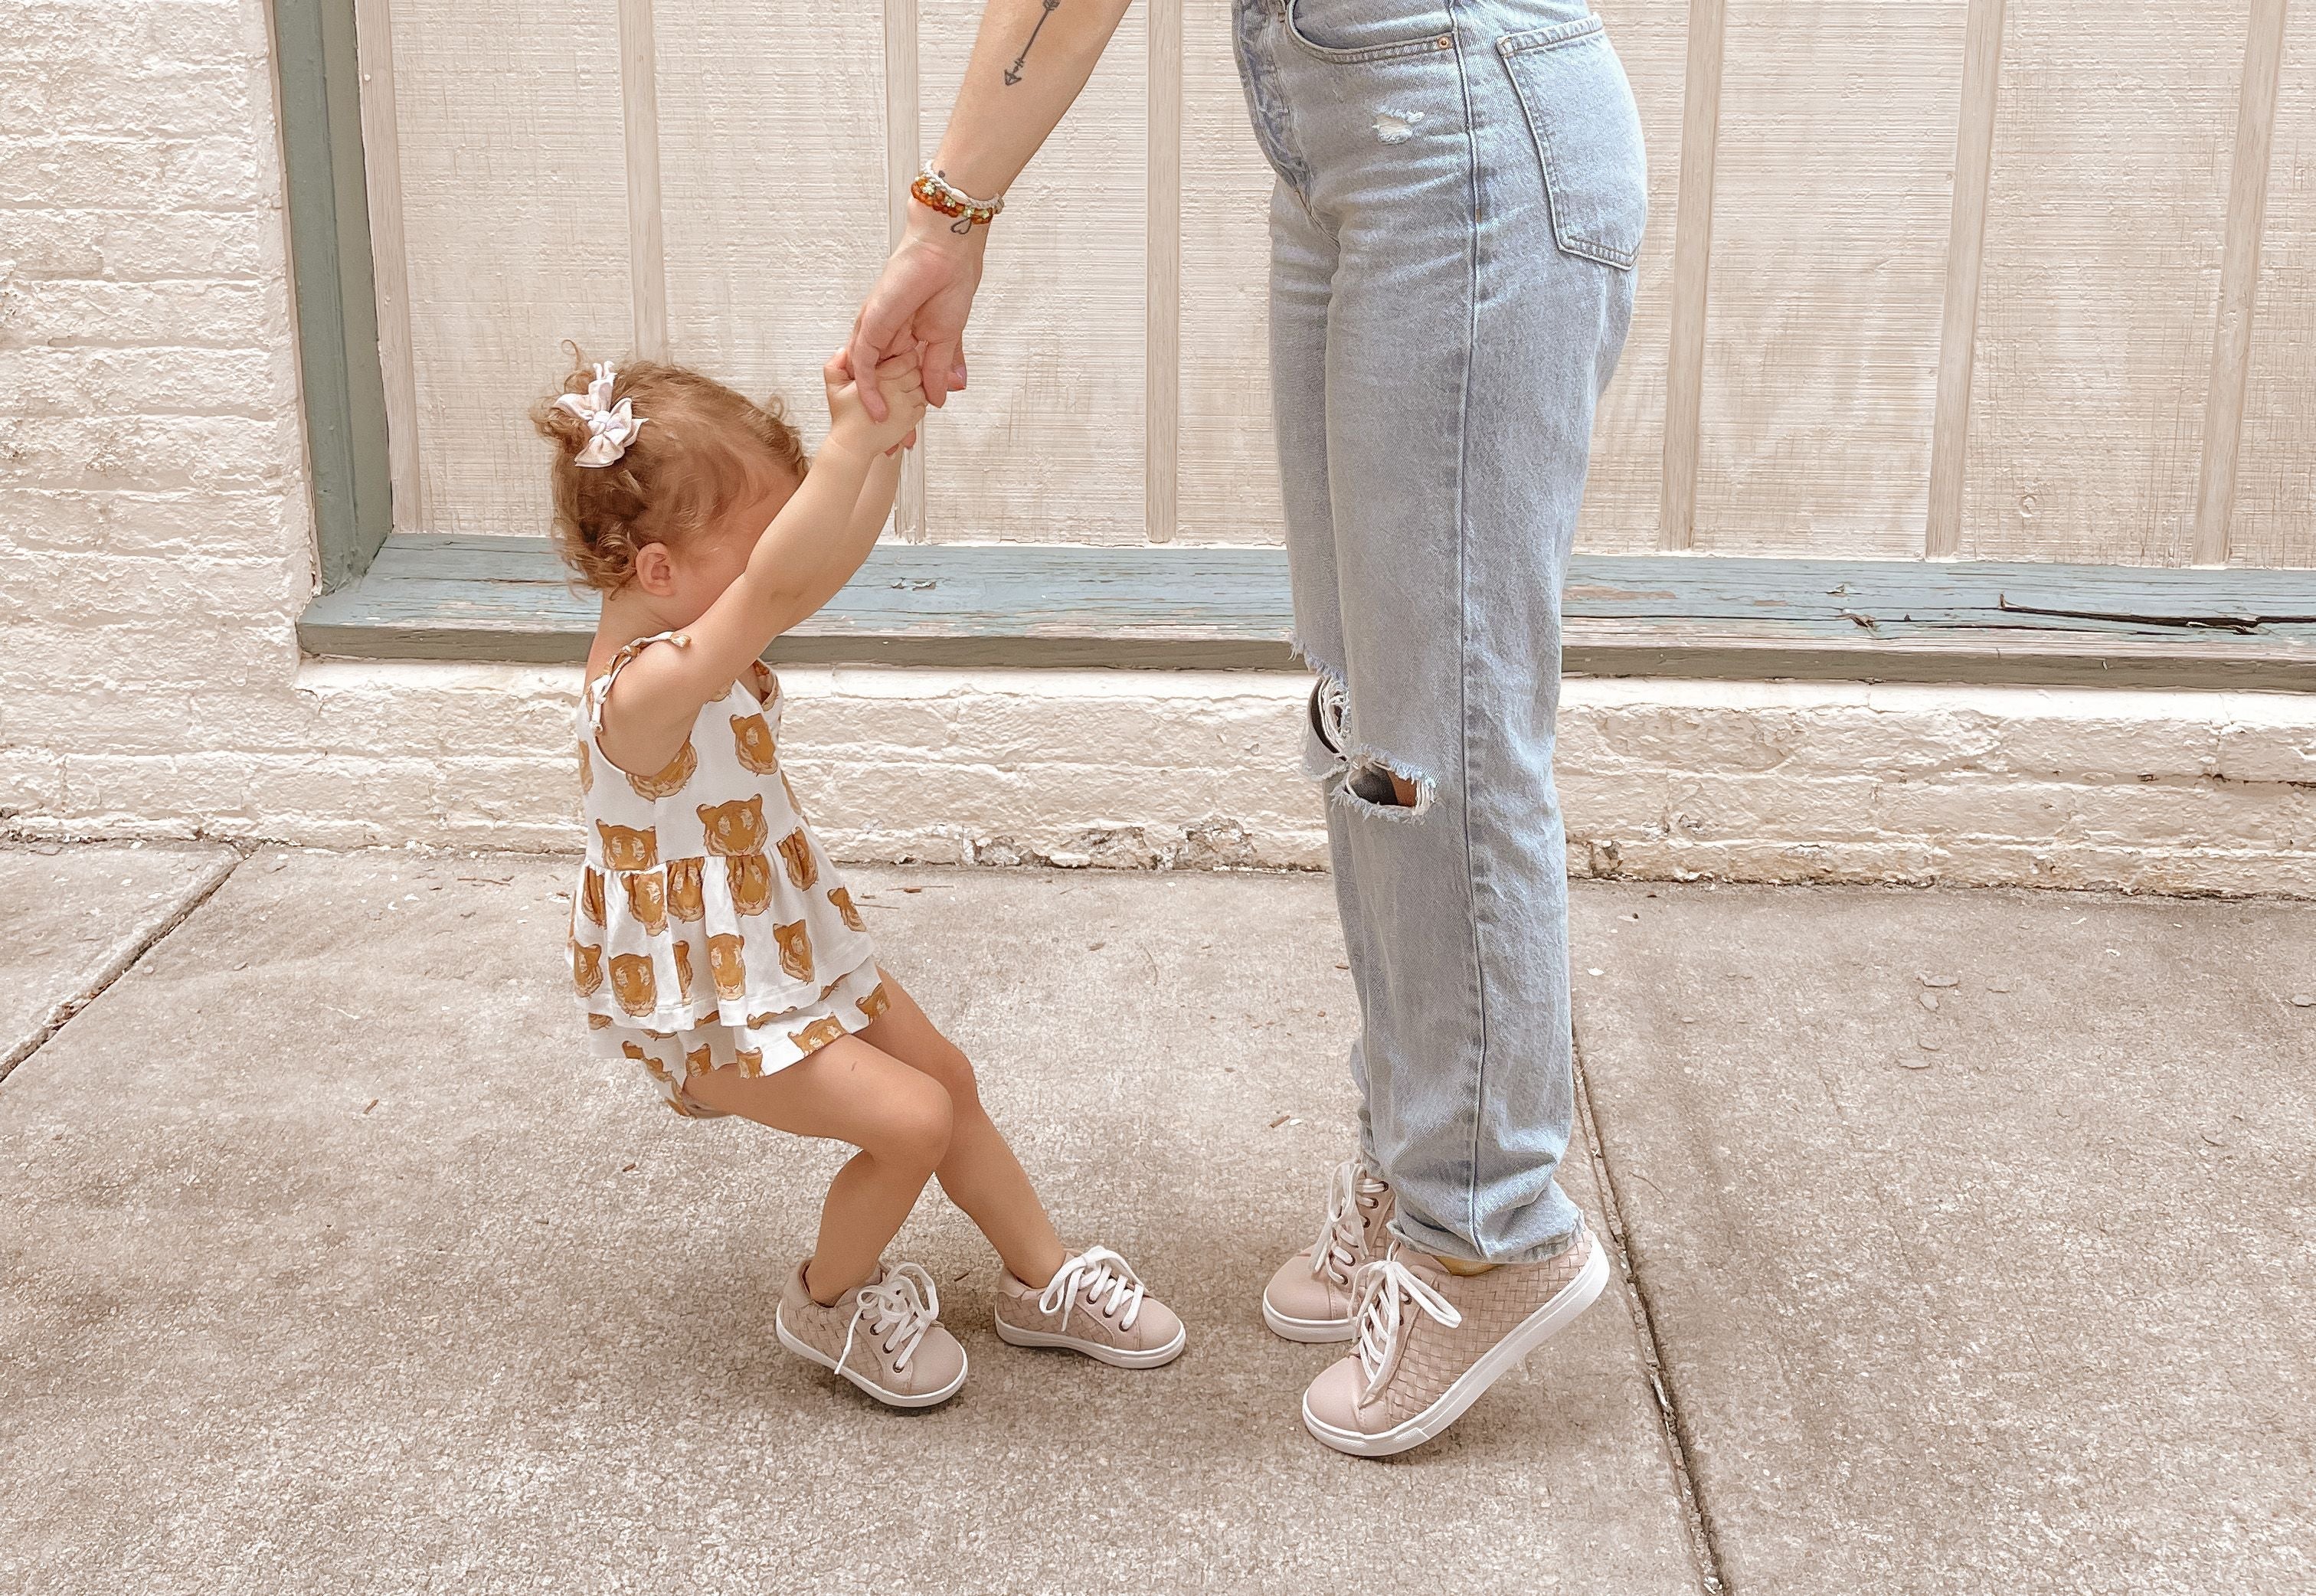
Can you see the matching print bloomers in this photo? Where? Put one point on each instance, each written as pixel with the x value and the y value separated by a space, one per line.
pixel 709 930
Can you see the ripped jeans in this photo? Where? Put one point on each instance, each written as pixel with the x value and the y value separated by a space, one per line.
pixel 1461 193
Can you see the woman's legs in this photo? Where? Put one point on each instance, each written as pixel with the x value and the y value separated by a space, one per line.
pixel 1438 346
pixel 849 1091
pixel 980 1173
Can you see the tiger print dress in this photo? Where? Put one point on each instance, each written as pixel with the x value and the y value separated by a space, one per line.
pixel 709 930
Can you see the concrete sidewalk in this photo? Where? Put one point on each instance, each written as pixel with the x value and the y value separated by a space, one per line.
pixel 332 1263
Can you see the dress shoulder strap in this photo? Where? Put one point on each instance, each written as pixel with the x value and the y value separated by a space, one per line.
pixel 600 689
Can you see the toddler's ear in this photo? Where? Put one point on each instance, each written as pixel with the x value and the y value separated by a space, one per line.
pixel 655 570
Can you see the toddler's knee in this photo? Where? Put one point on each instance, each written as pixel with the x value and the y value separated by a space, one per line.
pixel 953 1071
pixel 917 1129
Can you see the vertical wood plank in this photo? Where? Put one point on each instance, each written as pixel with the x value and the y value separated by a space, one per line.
pixel 1048 445
pixel 1162 274
pixel 1227 463
pixel 774 186
pixel 389 258
pixel 1624 490
pixel 640 114
pixel 904 153
pixel 2273 523
pixel 2106 214
pixel 1691 273
pixel 2223 404
pixel 1981 81
pixel 509 137
pixel 1831 189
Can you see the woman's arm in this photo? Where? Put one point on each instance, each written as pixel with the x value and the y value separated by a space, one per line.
pixel 1029 61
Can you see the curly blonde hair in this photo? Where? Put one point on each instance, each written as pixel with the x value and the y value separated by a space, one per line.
pixel 706 446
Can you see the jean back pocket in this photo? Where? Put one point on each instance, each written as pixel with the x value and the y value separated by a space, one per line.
pixel 1588 133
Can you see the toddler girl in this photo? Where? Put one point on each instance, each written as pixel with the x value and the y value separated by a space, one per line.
pixel 711 941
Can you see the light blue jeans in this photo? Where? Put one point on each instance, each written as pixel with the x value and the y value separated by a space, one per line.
pixel 1461 193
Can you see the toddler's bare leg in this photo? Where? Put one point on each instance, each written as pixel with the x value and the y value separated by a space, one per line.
pixel 848 1091
pixel 980 1173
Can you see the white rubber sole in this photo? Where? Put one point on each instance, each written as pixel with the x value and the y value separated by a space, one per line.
pixel 1311 1331
pixel 890 1399
pixel 1014 1335
pixel 1529 1334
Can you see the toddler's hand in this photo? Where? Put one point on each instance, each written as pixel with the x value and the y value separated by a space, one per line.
pixel 902 383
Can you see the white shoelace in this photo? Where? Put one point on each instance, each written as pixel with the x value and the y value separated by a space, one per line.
pixel 1343 1238
pixel 1383 1284
pixel 899 1309
pixel 1097 1271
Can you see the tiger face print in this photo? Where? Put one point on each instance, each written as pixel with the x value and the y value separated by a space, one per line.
pixel 796 950
pixel 591 893
pixel 818 1034
pixel 842 896
pixel 628 847
pixel 752 740
pixel 726 959
pixel 647 899
pixel 750 878
pixel 586 968
pixel 657 1069
pixel 697 1059
pixel 796 852
pixel 684 898
pixel 736 827
pixel 751 1061
pixel 672 778
pixel 876 1004
pixel 632 981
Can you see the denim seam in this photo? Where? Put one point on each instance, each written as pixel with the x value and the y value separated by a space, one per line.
pixel 1552 37
pixel 1463 624
pixel 1360 54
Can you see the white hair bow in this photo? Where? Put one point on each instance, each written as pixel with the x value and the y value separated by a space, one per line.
pixel 610 427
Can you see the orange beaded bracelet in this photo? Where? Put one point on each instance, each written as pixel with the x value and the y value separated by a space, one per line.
pixel 936 193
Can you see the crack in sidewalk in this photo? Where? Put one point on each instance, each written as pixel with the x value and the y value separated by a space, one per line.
pixel 1702 1546
pixel 122 962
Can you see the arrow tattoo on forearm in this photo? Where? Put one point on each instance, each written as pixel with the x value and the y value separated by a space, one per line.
pixel 1013 73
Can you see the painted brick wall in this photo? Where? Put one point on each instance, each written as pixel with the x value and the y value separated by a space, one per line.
pixel 154 538
pixel 154 549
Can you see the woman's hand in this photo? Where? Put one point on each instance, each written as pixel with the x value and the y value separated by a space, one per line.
pixel 922 297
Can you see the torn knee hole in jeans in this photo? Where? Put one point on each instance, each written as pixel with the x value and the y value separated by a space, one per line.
pixel 1379 783
pixel 1361 777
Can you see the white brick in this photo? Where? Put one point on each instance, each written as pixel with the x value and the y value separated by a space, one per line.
pixel 162 98
pixel 201 313
pixel 99 521
pixel 46 381
pixel 85 169
pixel 140 246
pixel 105 588
pixel 46 35
pixel 145 452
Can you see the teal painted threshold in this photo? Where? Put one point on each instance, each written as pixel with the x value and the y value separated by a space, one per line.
pixel 1178 608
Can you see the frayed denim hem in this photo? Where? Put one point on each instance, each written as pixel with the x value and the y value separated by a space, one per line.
pixel 1431 1241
